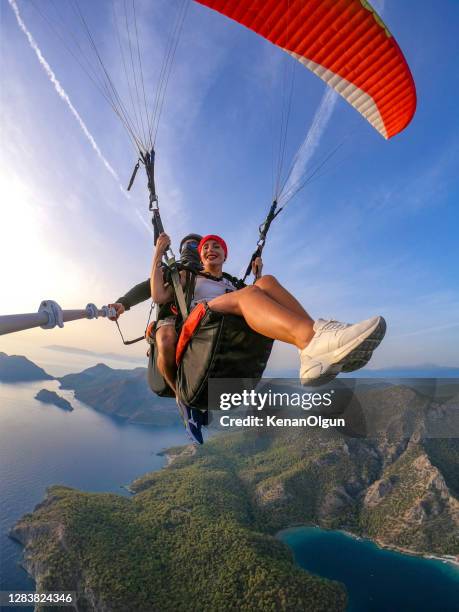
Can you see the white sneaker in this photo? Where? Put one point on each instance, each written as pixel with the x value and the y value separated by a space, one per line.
pixel 339 347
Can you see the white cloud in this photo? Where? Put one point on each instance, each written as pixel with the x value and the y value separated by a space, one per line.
pixel 62 93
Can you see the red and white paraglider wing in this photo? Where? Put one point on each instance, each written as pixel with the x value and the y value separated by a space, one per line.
pixel 345 43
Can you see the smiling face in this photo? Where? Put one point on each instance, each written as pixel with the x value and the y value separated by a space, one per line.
pixel 212 254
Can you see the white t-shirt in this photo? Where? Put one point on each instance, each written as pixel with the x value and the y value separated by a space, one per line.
pixel 206 289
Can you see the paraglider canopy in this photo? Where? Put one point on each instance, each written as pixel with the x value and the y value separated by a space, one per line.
pixel 345 43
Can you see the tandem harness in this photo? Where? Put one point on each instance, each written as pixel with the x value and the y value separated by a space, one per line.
pixel 171 308
pixel 217 345
pixel 211 345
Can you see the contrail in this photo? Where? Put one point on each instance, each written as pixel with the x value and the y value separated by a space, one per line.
pixel 427 330
pixel 311 142
pixel 319 123
pixel 143 222
pixel 62 93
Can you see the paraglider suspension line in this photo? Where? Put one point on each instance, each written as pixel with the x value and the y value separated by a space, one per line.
pixel 148 160
pixel 263 232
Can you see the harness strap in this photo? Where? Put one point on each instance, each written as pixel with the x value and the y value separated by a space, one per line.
pixel 236 282
pixel 149 161
pixel 190 286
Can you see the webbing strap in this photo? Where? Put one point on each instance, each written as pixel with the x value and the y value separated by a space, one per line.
pixel 149 161
pixel 178 290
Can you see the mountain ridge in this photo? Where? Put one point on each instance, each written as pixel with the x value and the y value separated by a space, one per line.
pixel 17 368
pixel 124 394
pixel 396 488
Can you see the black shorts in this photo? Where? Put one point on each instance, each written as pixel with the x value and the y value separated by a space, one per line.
pixel 167 315
pixel 167 310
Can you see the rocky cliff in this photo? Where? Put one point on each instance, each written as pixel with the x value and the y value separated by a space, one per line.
pixel 213 513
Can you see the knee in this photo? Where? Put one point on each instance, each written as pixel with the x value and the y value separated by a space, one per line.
pixel 267 280
pixel 166 339
pixel 252 289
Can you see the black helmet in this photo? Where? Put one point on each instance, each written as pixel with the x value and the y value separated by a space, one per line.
pixel 196 237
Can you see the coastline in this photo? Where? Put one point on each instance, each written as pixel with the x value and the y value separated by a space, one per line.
pixel 36 570
pixel 180 455
pixel 22 537
pixel 406 551
pixel 188 450
pixel 454 561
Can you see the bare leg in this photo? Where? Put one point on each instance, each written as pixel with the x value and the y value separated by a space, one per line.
pixel 166 341
pixel 278 293
pixel 266 316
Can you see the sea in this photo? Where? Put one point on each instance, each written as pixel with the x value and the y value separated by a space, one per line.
pixel 376 579
pixel 42 445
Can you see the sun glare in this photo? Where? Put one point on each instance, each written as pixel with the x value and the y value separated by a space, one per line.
pixel 30 267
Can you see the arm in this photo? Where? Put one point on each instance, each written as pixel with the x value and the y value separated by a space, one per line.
pixel 134 296
pixel 159 292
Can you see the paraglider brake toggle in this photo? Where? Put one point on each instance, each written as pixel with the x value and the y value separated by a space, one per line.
pixel 134 172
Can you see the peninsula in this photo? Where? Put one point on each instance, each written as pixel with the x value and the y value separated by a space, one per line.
pixel 214 513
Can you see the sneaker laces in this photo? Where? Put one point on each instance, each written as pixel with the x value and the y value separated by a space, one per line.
pixel 333 324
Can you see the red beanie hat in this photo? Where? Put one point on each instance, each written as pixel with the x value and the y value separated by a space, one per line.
pixel 216 238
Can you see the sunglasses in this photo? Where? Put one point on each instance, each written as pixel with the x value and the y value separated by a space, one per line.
pixel 190 243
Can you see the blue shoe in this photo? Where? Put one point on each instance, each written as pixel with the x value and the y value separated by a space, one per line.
pixel 193 421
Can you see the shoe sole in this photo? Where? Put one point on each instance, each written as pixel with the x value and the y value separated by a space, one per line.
pixel 353 359
pixel 362 354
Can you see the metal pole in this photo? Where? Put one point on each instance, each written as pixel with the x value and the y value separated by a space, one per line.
pixel 18 322
pixel 50 315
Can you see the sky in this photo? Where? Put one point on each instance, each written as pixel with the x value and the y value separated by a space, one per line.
pixel 374 233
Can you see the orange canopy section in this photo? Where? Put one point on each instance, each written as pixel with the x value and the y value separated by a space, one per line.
pixel 345 43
